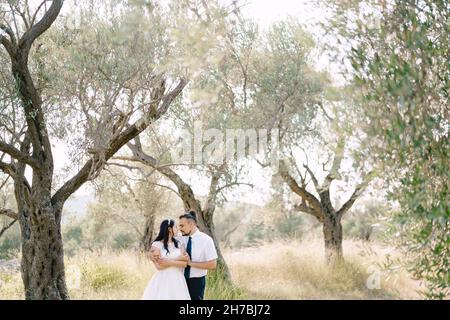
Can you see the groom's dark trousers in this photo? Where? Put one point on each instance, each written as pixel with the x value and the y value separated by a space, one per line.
pixel 196 287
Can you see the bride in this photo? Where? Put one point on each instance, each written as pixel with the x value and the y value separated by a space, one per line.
pixel 168 283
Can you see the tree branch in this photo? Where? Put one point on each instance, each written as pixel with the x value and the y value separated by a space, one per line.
pixel 3 184
pixel 31 99
pixel 358 191
pixel 19 155
pixel 334 171
pixel 94 164
pixel 98 160
pixel 9 32
pixel 36 13
pixel 39 28
pixel 320 104
pixel 8 44
pixel 7 227
pixel 120 165
pixel 167 100
pixel 303 193
pixel 166 187
pixel 313 178
pixel 226 235
pixel 210 204
pixel 229 185
pixel 140 156
pixel 7 169
pixel 9 213
pixel 303 207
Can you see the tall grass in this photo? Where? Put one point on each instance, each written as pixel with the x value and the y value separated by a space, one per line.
pixel 281 270
pixel 296 270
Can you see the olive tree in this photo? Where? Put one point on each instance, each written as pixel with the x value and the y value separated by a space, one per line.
pixel 102 80
pixel 398 53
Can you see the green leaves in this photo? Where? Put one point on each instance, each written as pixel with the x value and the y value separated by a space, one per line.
pixel 401 68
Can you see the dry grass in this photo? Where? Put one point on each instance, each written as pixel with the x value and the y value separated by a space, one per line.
pixel 294 270
pixel 282 270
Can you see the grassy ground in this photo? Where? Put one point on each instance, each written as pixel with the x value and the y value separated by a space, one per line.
pixel 282 270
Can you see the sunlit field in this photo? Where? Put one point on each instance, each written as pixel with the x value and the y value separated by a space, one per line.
pixel 280 270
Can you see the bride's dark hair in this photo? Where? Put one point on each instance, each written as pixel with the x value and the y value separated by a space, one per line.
pixel 164 234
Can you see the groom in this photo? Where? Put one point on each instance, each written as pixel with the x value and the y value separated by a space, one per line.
pixel 202 254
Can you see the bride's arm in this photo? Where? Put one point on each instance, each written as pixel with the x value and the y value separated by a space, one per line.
pixel 155 254
pixel 178 263
pixel 160 265
pixel 166 263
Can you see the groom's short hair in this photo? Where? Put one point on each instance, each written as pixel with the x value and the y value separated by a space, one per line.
pixel 191 215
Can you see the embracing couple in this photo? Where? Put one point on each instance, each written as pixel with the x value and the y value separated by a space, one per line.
pixel 181 261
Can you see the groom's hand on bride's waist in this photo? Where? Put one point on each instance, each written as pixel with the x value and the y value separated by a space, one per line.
pixel 154 255
pixel 185 257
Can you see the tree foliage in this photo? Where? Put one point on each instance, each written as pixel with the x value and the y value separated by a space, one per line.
pixel 399 56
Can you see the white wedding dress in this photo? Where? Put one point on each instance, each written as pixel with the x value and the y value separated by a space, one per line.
pixel 169 283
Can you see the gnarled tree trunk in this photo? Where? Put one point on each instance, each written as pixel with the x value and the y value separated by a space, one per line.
pixel 42 262
pixel 332 234
pixel 207 226
pixel 147 237
pixel 42 254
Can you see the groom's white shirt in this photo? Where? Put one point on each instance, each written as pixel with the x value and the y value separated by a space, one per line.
pixel 203 250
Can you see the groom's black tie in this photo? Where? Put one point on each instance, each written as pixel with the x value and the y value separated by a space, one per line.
pixel 187 270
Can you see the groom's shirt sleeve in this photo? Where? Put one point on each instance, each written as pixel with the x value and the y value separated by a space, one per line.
pixel 211 252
